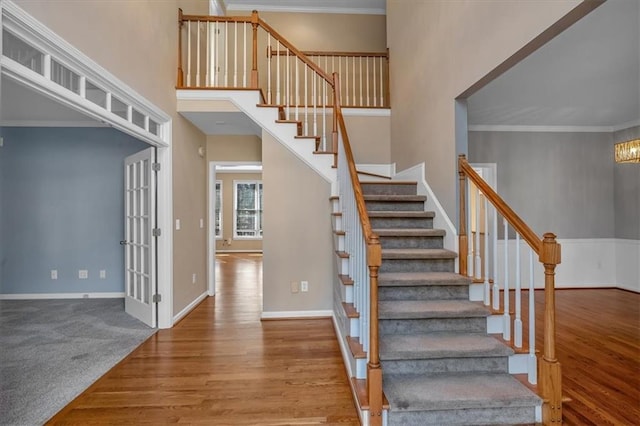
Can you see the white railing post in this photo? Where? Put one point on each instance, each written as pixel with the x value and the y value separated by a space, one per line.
pixel 506 330
pixel 198 54
pixel 469 231
pixel 517 325
pixel 532 367
pixel 188 53
pixel 477 266
pixel 496 285
pixel 487 286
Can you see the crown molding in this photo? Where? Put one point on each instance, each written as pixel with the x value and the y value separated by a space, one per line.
pixel 307 9
pixel 551 129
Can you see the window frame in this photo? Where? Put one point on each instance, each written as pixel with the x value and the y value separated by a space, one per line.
pixel 258 183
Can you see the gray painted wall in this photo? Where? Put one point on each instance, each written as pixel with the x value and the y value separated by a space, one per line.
pixel 62 208
pixel 626 179
pixel 557 182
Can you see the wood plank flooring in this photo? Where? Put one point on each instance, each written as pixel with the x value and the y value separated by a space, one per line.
pixel 222 366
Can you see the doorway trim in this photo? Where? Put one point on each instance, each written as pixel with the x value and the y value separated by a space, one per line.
pixel 211 211
pixel 28 29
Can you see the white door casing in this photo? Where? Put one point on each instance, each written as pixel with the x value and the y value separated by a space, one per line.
pixel 139 242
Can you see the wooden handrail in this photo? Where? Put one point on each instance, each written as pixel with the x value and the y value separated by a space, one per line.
pixel 523 229
pixel 207 18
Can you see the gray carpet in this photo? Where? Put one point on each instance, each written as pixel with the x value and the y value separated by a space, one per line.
pixel 52 350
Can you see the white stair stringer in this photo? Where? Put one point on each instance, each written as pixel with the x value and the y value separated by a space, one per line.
pixel 247 101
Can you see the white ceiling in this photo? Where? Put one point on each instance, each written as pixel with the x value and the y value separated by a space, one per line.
pixel 588 76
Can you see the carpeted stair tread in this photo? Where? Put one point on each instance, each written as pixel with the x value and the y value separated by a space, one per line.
pixel 401 214
pixel 403 279
pixel 422 309
pixel 409 232
pixel 441 345
pixel 394 198
pixel 418 254
pixel 456 392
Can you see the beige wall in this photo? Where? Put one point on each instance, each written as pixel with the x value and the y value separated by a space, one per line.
pixel 227 214
pixel 438 49
pixel 234 148
pixel 297 241
pixel 370 139
pixel 137 42
pixel 328 31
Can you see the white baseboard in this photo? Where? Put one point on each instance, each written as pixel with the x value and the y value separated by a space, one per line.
pixel 237 251
pixel 190 307
pixel 34 296
pixel 628 264
pixel 295 314
pixel 378 169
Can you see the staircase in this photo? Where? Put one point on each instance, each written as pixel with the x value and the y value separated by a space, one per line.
pixel 440 367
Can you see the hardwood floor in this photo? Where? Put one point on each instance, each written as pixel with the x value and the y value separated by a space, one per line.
pixel 221 365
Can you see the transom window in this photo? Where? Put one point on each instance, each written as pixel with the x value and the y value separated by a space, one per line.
pixel 247 209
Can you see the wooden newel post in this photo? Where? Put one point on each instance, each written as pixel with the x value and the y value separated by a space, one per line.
pixel 462 228
pixel 334 133
pixel 549 371
pixel 254 60
pixel 374 372
pixel 180 77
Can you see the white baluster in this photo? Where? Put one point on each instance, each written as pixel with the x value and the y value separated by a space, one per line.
pixel 367 61
pixel 496 286
pixel 375 84
pixel 270 56
pixel 360 75
pixel 326 101
pixel 470 190
pixel 506 332
pixel 188 53
pixel 244 55
pixel 278 73
pixel 353 61
pixel 306 101
pixel 346 79
pixel 226 54
pixel 476 246
pixel 287 83
pixel 324 115
pixel 487 286
pixel 207 76
pixel 297 94
pixel 198 54
pixel 517 324
pixel 381 83
pixel 216 65
pixel 532 369
pixel 315 105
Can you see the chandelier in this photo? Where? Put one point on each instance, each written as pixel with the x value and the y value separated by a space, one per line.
pixel 628 152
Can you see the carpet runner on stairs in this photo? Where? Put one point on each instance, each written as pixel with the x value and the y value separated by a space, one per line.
pixel 440 367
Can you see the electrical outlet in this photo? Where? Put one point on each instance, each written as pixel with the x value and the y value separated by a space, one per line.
pixel 295 287
pixel 304 286
pixel 103 274
pixel 83 274
pixel 193 278
pixel 54 274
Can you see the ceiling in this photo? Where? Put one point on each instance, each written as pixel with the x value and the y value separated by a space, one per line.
pixel 588 76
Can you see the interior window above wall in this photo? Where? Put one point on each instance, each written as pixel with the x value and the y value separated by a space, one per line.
pixel 247 212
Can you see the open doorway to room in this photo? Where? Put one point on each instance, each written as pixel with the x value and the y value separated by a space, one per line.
pixel 235 213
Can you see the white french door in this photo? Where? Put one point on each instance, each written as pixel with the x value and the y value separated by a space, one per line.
pixel 139 242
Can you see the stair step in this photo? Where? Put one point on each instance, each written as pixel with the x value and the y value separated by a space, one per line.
pixel 409 232
pixel 422 286
pixel 392 187
pixel 460 399
pixel 441 345
pixel 417 260
pixel 425 309
pixel 418 254
pixel 405 279
pixel 401 219
pixel 394 202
